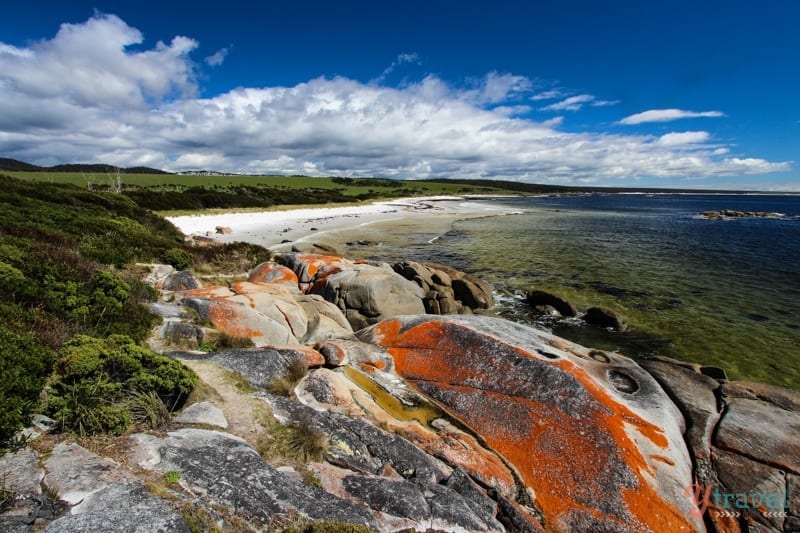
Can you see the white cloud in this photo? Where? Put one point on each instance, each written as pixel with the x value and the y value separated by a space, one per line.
pixel 217 58
pixel 146 111
pixel 573 103
pixel 666 115
pixel 684 138
pixel 402 59
pixel 548 95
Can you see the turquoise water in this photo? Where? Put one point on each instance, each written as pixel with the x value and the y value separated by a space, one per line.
pixel 724 293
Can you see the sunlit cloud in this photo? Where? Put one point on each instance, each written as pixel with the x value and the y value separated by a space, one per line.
pixel 146 112
pixel 666 115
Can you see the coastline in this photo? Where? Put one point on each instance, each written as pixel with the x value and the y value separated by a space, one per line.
pixel 279 229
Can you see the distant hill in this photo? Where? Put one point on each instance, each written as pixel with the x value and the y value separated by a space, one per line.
pixel 14 165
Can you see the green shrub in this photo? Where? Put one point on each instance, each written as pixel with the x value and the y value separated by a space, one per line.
pixel 178 258
pixel 24 365
pixel 95 379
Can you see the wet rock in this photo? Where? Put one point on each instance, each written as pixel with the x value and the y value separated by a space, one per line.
pixel 562 305
pixel 229 473
pixel 537 400
pixel 605 318
pixel 180 281
pixel 202 413
pixel 223 230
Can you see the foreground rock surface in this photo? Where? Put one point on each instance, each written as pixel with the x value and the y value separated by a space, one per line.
pixel 598 444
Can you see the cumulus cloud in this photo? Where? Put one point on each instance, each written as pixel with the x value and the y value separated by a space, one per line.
pixel 217 58
pixel 146 112
pixel 666 115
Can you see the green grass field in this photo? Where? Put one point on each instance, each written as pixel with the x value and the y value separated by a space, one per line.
pixel 349 187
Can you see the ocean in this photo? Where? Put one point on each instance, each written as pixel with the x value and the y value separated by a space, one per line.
pixel 724 293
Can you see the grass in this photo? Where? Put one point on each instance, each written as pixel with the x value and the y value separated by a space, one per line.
pixel 284 385
pixel 301 442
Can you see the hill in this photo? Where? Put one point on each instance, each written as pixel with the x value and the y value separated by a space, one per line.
pixel 15 165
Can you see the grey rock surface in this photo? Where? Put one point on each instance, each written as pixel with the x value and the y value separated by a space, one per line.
pixel 229 473
pixel 202 413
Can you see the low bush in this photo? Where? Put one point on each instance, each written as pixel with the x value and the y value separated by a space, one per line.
pixel 94 380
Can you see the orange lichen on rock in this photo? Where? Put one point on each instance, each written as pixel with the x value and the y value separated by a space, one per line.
pixel 574 443
pixel 318 265
pixel 270 272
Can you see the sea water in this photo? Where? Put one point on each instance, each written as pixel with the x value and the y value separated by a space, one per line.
pixel 723 293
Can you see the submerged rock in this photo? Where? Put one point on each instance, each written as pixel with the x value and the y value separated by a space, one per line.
pixel 604 317
pixel 537 298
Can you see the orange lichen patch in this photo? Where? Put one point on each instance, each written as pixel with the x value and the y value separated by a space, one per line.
pixel 564 432
pixel 226 319
pixel 211 292
pixel 462 450
pixel 661 458
pixel 316 263
pixel 273 273
pixel 312 357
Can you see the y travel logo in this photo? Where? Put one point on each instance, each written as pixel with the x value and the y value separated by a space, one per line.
pixel 735 504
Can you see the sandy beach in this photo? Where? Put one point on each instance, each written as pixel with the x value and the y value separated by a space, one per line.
pixel 279 229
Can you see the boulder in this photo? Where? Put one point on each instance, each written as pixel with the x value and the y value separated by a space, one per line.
pixel 179 281
pixel 204 413
pixel 314 248
pixel 270 272
pixel 231 474
pixel 605 318
pixel 544 298
pixel 447 290
pixel 223 230
pixel 597 444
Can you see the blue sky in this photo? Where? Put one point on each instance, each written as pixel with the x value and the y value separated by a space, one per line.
pixel 698 94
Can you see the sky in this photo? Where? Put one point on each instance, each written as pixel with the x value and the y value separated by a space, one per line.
pixel 686 94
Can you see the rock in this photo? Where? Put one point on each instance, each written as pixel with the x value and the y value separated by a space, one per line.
pixel 157 274
pixel 762 431
pixel 202 413
pixel 203 240
pixel 694 394
pixel 231 474
pixel 314 248
pixel 325 320
pixel 94 487
pixel 261 366
pixel 447 290
pixel 740 475
pixel 562 305
pixel 270 272
pixel 360 446
pixel 605 318
pixel 180 281
pixel 224 230
pixel 181 333
pixel 598 444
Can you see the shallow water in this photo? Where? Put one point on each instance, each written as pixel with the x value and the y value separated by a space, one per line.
pixel 724 293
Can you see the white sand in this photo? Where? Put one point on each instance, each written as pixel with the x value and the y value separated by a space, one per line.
pixel 271 228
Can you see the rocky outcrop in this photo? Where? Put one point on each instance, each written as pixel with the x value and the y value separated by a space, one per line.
pixel 725 214
pixel 365 293
pixel 447 290
pixel 179 281
pixel 267 313
pixel 597 445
